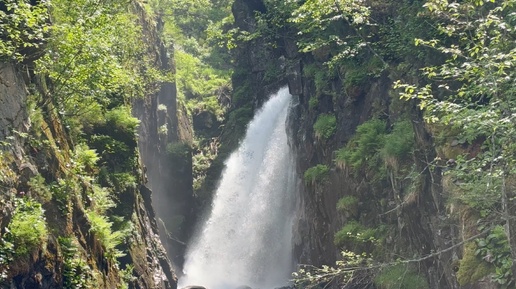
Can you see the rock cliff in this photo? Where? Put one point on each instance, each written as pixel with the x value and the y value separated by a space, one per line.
pixel 401 202
pixel 51 228
pixel 165 138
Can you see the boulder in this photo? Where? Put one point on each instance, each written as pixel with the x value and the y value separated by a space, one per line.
pixel 194 287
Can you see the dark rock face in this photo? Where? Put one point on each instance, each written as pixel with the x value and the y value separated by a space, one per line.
pixel 165 135
pixel 320 217
pixel 13 111
pixel 421 226
pixel 45 268
pixel 158 268
pixel 244 11
pixel 258 72
pixel 254 59
pixel 419 222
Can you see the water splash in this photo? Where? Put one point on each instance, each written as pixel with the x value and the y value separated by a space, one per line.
pixel 247 239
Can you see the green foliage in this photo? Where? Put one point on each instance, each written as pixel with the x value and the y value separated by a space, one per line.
pixel 23 29
pixel 478 189
pixel 39 189
pixel 123 181
pixel 313 17
pixel 84 160
pixel 341 27
pixel 190 18
pixel 76 272
pixel 360 71
pixel 363 149
pixel 122 125
pixel 347 203
pixel 115 139
pixel 472 268
pixel 163 130
pixel 316 174
pixel 271 24
pixel 313 102
pixel 116 155
pixel 320 76
pixel 361 38
pixel 356 78
pixel 373 143
pixel 196 29
pixel 101 198
pixel 127 277
pixel 8 177
pixel 344 270
pixel 272 72
pixel 357 234
pixel 202 161
pixel 199 95
pixel 62 192
pixel 101 227
pixel 325 126
pixel 222 35
pixel 162 107
pixel 471 95
pixel 6 253
pixel 91 65
pixel 400 141
pixel 178 152
pixel 201 34
pixel 27 230
pixel 400 277
pixel 495 250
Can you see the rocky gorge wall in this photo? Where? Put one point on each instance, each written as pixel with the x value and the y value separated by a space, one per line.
pixel 44 268
pixel 70 250
pixel 403 200
pixel 165 137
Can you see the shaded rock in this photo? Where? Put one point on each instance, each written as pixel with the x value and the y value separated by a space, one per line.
pixel 13 95
pixel 27 171
pixel 204 120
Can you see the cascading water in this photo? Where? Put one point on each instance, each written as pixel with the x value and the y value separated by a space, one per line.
pixel 247 239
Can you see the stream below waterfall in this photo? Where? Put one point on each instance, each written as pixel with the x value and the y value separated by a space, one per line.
pixel 246 240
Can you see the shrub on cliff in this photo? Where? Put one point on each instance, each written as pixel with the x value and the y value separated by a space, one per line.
pixel 325 126
pixel 316 174
pixel 27 230
pixel 364 147
pixel 347 204
pixel 372 143
pixel 400 277
pixel 122 125
pixel 400 141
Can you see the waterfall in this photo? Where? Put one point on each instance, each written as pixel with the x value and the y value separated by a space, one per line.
pixel 247 238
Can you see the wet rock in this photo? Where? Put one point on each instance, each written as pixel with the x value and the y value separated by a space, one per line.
pixel 194 287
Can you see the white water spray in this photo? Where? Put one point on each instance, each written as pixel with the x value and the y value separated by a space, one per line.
pixel 247 239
